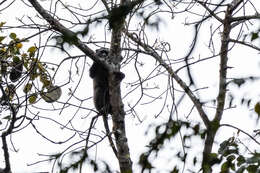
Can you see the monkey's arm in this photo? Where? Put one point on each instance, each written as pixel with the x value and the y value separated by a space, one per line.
pixel 119 76
pixel 93 70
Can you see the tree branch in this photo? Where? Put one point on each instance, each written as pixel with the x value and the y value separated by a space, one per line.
pixel 245 44
pixel 244 18
pixel 223 66
pixel 118 116
pixel 214 125
pixel 57 26
pixel 184 86
pixel 229 125
pixel 210 11
pixel 9 130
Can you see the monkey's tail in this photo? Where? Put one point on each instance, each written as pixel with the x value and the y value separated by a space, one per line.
pixel 109 135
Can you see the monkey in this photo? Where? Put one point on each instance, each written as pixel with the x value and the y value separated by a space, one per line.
pixel 99 74
pixel 100 86
pixel 101 98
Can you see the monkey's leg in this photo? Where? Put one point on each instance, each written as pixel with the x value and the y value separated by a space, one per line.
pixel 109 134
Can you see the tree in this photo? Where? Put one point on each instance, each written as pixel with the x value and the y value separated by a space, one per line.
pixel 60 85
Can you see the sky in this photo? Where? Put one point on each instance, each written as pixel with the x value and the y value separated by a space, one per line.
pixel 31 146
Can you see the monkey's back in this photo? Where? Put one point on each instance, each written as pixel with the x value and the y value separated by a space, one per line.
pixel 101 91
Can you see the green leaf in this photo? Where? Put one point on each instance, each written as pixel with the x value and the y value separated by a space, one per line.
pixel 225 167
pixel 32 98
pixel 16 59
pixel 45 80
pixel 32 51
pixel 4 68
pixel 53 94
pixel 254 36
pixel 2 24
pixel 231 158
pixel 27 88
pixel 257 108
pixel 40 67
pixel 12 35
pixel 223 147
pixel 8 117
pixel 240 160
pixel 175 170
pixel 252 168
pixel 33 76
pixel 232 166
pixel 213 158
pixel 2 38
pixel 241 170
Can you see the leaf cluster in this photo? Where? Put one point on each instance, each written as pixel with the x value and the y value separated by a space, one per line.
pixel 170 130
pixel 236 161
pixel 24 67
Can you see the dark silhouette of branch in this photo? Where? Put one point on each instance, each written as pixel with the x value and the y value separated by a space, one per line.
pixel 234 127
pixel 214 125
pixel 173 74
pixel 57 26
pixel 245 44
pixel 9 130
pixel 211 12
pixel 108 133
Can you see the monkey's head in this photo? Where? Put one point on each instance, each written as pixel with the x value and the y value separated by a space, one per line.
pixel 101 73
pixel 102 52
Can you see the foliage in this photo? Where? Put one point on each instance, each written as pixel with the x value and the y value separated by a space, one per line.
pixel 234 160
pixel 13 59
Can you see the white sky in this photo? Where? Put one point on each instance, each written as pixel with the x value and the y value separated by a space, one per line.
pixel 245 61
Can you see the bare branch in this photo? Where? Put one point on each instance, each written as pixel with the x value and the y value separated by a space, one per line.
pixel 235 4
pixel 210 11
pixel 244 18
pixel 56 25
pixel 223 66
pixel 245 44
pixel 184 86
pixel 234 127
pixel 214 126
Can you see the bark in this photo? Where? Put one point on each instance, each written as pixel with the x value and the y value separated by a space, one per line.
pixel 214 125
pixel 118 116
pixel 6 133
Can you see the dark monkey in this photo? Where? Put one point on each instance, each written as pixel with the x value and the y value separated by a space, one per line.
pixel 99 74
pixel 100 86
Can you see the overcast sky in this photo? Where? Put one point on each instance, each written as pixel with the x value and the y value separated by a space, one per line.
pixel 29 144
